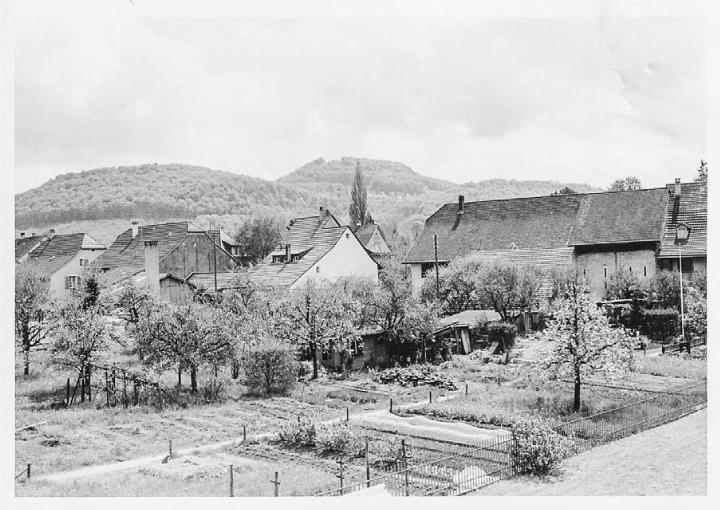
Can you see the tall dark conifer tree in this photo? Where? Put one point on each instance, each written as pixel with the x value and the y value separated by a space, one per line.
pixel 358 198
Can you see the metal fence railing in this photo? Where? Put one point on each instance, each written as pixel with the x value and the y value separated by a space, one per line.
pixel 488 462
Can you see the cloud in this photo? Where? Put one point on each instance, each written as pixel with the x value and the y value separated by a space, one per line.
pixel 568 99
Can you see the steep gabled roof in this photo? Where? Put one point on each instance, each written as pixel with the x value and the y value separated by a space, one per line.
pixel 523 223
pixel 129 252
pixel 315 242
pixel 620 217
pixel 365 233
pixel 24 245
pixel 56 251
pixel 690 208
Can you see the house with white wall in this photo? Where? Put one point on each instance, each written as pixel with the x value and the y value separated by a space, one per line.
pixel 64 258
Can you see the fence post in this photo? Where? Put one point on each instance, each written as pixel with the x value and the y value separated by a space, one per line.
pixel 391 405
pixel 431 396
pixel 405 467
pixel 67 392
pixel 28 470
pixel 367 461
pixel 276 482
pixel 466 389
pixel 231 481
pixel 170 448
pixel 347 414
pixel 244 433
pixel 340 476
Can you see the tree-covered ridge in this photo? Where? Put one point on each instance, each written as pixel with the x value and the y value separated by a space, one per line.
pixel 153 190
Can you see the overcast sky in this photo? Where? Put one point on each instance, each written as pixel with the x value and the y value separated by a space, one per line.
pixel 577 100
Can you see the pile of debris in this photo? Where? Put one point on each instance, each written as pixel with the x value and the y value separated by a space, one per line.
pixel 415 376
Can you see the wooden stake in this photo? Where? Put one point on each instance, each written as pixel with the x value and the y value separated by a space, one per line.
pixel 244 433
pixel 466 389
pixel 340 476
pixel 170 448
pixel 367 461
pixel 431 396
pixel 391 405
pixel 276 482
pixel 28 470
pixel 405 467
pixel 347 414
pixel 67 392
pixel 232 494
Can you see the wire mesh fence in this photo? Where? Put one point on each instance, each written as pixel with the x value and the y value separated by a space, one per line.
pixel 475 467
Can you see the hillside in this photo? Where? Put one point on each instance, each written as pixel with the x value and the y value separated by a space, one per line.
pixel 103 201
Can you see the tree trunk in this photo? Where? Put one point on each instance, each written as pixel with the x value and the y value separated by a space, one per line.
pixel 235 369
pixel 193 378
pixel 313 353
pixel 576 400
pixel 26 349
pixel 179 381
pixel 26 371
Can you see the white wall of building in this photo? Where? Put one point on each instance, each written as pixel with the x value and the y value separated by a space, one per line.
pixel 346 258
pixel 416 276
pixel 72 268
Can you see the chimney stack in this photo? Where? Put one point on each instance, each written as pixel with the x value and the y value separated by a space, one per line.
pixel 678 188
pixel 288 253
pixel 461 204
pixel 135 228
pixel 152 265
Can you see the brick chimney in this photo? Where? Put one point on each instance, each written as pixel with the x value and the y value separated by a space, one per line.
pixel 152 265
pixel 135 228
pixel 677 191
pixel 288 253
pixel 461 204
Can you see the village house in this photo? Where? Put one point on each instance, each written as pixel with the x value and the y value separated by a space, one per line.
pixel 180 248
pixel 597 234
pixel 373 239
pixel 63 257
pixel 313 247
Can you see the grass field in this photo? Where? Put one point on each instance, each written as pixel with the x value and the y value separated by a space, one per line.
pixel 667 460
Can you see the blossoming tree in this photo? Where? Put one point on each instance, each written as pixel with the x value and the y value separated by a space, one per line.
pixel 581 341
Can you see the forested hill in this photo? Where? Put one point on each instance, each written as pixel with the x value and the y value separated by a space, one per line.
pixel 397 195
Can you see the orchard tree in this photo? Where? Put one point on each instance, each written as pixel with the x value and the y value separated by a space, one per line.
pixel 257 237
pixel 623 284
pixel 626 184
pixel 567 190
pixel 702 172
pixel 582 343
pixel 358 198
pixel 32 303
pixel 81 337
pixel 318 316
pixel 187 336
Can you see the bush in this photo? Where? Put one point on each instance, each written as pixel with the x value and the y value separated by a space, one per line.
pixel 212 392
pixel 537 449
pixel 339 439
pixel 270 367
pixel 414 376
pixel 660 324
pixel 503 333
pixel 301 433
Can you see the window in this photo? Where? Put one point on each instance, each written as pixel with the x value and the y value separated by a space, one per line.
pixel 356 348
pixel 83 262
pixel 295 258
pixel 72 282
pixel 278 259
pixel 317 269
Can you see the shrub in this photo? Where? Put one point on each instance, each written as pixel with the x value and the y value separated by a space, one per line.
pixel 414 376
pixel 214 391
pixel 270 367
pixel 339 439
pixel 536 448
pixel 664 288
pixel 660 324
pixel 503 333
pixel 301 433
pixel 696 314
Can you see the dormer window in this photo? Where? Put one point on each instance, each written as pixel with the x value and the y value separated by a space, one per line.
pixel 295 257
pixel 278 259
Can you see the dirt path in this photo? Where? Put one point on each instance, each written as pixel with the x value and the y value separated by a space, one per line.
pixel 102 469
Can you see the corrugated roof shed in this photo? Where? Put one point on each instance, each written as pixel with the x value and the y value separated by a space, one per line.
pixel 690 208
pixel 620 217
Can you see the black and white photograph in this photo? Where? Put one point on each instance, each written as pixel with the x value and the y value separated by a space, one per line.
pixel 343 250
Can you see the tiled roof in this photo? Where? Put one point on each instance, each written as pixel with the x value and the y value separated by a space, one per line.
pixel 306 234
pixel 23 245
pixel 620 217
pixel 690 208
pixel 364 233
pixel 225 280
pixel 524 223
pixel 129 252
pixel 56 251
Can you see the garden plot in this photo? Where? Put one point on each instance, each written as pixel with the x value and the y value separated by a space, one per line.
pixel 427 428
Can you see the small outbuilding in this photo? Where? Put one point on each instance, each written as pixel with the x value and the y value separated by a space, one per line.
pixel 465 328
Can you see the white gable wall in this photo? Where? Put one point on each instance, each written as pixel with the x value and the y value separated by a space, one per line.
pixel 346 258
pixel 72 268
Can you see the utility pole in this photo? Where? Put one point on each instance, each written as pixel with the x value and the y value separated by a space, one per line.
pixel 437 270
pixel 215 258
